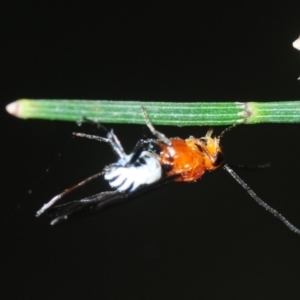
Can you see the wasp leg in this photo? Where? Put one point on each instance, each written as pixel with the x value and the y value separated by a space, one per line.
pixel 111 139
pixel 156 133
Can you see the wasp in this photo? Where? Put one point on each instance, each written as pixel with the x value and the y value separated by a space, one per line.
pixel 153 162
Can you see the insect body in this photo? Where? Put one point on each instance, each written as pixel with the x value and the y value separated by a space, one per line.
pixel 190 158
pixel 152 163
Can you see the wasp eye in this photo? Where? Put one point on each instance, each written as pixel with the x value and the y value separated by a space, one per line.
pixel 219 159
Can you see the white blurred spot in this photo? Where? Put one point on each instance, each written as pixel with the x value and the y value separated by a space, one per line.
pixel 12 108
pixel 296 44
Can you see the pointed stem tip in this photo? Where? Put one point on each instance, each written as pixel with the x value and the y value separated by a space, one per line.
pixel 13 108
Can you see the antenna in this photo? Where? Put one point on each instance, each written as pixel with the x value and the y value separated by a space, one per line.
pixel 267 207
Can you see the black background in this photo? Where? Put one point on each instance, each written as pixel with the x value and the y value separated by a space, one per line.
pixel 207 240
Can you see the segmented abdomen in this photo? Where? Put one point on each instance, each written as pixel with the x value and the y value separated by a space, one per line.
pixel 125 176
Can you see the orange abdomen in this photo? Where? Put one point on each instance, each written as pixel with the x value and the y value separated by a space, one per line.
pixel 184 158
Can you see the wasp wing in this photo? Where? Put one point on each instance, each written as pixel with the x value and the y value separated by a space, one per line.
pixel 85 206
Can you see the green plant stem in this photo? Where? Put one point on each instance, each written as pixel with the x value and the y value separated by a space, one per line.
pixel 160 113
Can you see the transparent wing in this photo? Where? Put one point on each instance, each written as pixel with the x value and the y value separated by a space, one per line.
pixel 63 212
pixel 85 206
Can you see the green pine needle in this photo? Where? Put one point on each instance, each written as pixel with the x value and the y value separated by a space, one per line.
pixel 160 113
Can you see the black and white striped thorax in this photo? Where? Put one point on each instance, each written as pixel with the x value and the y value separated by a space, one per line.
pixel 133 171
